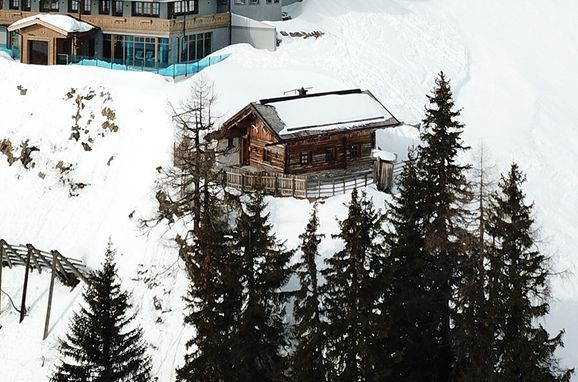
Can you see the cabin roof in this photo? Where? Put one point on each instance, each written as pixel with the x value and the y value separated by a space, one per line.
pixel 62 24
pixel 313 114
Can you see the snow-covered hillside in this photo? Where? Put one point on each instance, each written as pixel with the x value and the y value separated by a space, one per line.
pixel 512 66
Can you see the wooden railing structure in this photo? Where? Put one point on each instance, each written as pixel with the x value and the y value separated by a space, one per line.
pixel 300 186
pixel 137 25
pixel 66 269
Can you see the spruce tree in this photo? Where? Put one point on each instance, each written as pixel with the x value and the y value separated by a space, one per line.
pixel 214 300
pixel 101 346
pixel 261 332
pixel 308 362
pixel 444 195
pixel 406 348
pixel 519 274
pixel 353 291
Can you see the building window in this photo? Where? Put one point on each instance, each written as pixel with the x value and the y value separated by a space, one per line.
pixel 253 1
pixel 26 5
pixel 267 156
pixel 74 5
pixel 117 8
pixel 104 7
pixel 14 4
pixel 196 46
pixel 305 158
pixel 230 143
pixel 330 155
pixel 240 2
pixel 49 6
pixel 180 8
pixel 140 8
pixel 354 151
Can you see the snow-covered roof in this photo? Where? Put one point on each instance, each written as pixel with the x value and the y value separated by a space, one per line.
pixel 311 114
pixel 63 24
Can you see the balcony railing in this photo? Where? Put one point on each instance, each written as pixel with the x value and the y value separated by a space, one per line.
pixel 137 25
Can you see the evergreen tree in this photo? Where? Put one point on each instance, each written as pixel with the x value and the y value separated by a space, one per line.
pixel 519 273
pixel 261 333
pixel 407 348
pixel 100 347
pixel 214 300
pixel 353 292
pixel 308 361
pixel 444 195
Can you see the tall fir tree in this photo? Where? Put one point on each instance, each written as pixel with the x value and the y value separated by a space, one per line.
pixel 261 331
pixel 520 274
pixel 406 348
pixel 214 300
pixel 308 362
pixel 100 346
pixel 353 291
pixel 445 193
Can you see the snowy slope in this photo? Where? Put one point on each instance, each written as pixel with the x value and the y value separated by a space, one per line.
pixel 512 68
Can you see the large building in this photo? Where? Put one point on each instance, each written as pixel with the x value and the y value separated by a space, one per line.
pixel 150 34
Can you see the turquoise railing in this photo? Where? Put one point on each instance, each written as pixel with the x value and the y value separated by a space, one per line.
pixel 11 51
pixel 174 70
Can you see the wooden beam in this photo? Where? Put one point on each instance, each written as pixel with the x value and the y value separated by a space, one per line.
pixel 30 247
pixel 73 268
pixel 50 292
pixel 6 257
pixel 23 304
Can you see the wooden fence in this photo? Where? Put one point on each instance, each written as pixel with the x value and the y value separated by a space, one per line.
pixel 300 186
pixel 67 269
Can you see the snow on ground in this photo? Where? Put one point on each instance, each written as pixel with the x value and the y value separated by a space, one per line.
pixel 512 69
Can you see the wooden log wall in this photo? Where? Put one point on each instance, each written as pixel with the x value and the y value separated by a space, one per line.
pixel 317 148
pixel 259 140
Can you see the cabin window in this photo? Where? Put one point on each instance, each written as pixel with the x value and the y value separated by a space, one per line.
pixel 354 151
pixel 14 4
pixel 267 156
pixel 230 143
pixel 305 158
pixel 330 155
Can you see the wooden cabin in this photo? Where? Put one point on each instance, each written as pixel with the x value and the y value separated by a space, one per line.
pixel 306 134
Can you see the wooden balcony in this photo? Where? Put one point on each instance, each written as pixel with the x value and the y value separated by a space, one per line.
pixel 137 25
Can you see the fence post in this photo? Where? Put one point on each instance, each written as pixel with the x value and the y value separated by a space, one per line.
pixel 318 188
pixel 1 266
pixel 293 187
pixel 333 184
pixel 50 292
pixel 242 182
pixel 343 185
pixel 365 179
pixel 23 304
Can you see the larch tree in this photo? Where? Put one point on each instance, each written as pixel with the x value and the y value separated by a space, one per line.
pixel 520 279
pixel 262 335
pixel 352 294
pixel 308 362
pixel 103 343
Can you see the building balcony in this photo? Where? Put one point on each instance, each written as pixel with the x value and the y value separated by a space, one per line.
pixel 137 25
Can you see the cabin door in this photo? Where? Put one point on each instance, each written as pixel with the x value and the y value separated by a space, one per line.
pixel 244 151
pixel 38 52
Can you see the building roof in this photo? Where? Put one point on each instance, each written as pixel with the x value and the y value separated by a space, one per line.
pixel 62 24
pixel 312 114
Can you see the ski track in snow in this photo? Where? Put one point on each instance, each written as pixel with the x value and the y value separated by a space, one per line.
pixel 516 86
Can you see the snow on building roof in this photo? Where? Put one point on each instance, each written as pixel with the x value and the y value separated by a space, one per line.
pixel 383 155
pixel 61 23
pixel 297 116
